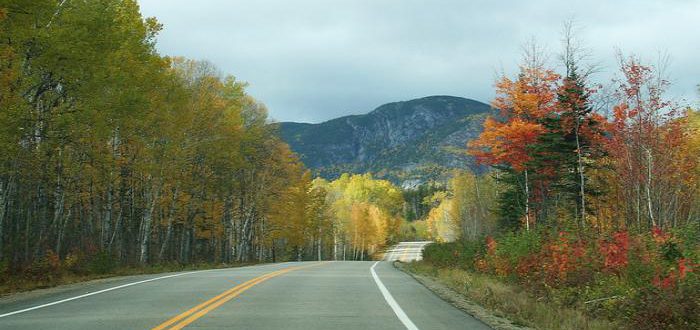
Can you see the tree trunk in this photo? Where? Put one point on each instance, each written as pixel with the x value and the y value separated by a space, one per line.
pixel 362 249
pixel 58 220
pixel 61 232
pixel 228 229
pixel 5 188
pixel 582 178
pixel 169 227
pixel 146 220
pixel 527 203
pixel 648 187
pixel 105 229
pixel 335 245
pixel 242 244
pixel 319 246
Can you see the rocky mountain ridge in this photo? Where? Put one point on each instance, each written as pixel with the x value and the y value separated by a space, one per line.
pixel 407 142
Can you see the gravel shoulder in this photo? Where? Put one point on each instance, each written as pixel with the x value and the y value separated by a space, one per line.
pixel 459 301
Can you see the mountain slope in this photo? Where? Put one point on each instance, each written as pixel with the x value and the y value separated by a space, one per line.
pixel 406 141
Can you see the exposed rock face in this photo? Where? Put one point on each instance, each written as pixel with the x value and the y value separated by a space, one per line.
pixel 407 142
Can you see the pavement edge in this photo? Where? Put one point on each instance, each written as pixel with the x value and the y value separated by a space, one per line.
pixel 460 302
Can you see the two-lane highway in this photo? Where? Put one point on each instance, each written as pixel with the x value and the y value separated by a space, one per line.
pixel 299 295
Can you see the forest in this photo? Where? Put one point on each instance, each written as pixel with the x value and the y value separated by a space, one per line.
pixel 113 155
pixel 591 206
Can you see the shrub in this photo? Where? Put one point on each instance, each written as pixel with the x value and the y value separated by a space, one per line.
pixel 101 263
pixel 615 252
pixel 652 276
pixel 44 269
pixel 72 263
pixel 4 271
pixel 460 254
pixel 441 254
pixel 672 307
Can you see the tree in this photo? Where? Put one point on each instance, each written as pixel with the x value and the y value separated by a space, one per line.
pixel 366 214
pixel 113 151
pixel 474 198
pixel 649 148
pixel 574 137
pixel 506 141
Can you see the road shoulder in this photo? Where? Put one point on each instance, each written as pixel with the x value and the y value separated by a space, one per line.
pixel 459 301
pixel 21 299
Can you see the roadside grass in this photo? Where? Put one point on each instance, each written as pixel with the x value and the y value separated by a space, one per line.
pixel 10 284
pixel 510 301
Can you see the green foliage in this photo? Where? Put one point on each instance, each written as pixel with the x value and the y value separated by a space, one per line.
pixel 510 300
pixel 414 231
pixel 459 254
pixel 620 277
pixel 44 269
pixel 592 211
pixel 132 157
pixel 474 198
pixel 514 246
pixel 365 212
pixel 416 208
pixel 511 200
pixel 658 308
pixel 101 263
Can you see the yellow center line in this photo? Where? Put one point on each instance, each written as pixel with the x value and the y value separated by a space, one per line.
pixel 203 308
pixel 204 304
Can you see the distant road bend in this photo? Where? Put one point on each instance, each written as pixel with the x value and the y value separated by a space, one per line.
pixel 406 251
pixel 293 295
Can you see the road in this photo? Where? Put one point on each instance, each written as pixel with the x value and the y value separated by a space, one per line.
pixel 406 251
pixel 297 295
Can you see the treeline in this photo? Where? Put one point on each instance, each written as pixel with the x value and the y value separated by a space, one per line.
pixel 349 218
pixel 366 214
pixel 111 154
pixel 568 156
pixel 111 148
pixel 592 202
pixel 465 210
pixel 565 154
pixel 416 207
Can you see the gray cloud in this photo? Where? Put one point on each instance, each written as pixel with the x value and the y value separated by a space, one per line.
pixel 315 60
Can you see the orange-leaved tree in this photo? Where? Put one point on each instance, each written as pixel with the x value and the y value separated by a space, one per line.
pixel 508 137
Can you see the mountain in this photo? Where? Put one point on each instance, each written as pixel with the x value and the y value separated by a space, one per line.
pixel 407 142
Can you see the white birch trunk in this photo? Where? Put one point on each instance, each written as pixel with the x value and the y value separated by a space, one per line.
pixel 527 203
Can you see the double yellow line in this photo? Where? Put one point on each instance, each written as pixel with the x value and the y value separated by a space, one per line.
pixel 182 320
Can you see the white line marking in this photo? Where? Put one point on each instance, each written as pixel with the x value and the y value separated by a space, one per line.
pixel 392 303
pixel 123 286
pixel 98 292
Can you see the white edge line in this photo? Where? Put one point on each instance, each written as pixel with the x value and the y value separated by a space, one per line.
pixel 392 303
pixel 120 287
pixel 110 289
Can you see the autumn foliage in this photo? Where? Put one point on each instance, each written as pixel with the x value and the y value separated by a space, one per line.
pixel 597 201
pixel 112 155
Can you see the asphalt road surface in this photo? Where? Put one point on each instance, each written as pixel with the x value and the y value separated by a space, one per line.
pixel 406 251
pixel 298 295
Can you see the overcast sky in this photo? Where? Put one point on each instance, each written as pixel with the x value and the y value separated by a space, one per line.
pixel 310 61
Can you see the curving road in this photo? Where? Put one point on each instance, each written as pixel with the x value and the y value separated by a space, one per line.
pixel 298 295
pixel 406 251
